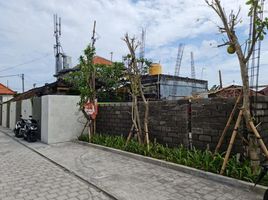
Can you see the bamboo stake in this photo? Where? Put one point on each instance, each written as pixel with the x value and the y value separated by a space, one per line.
pixel 260 141
pixel 146 126
pixel 89 130
pixel 84 128
pixel 130 134
pixel 227 125
pixel 226 158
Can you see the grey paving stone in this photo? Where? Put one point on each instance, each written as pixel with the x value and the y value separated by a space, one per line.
pixel 124 177
pixel 26 175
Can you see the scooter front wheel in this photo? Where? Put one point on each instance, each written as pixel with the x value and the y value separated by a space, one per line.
pixel 265 197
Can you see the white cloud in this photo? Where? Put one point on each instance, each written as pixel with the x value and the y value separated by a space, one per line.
pixel 27 32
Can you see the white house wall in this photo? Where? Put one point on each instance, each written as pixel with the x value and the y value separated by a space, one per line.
pixel 26 108
pixel 4 115
pixel 12 116
pixel 61 120
pixel 6 97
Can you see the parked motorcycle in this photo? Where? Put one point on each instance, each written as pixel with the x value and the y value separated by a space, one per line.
pixel 19 125
pixel 30 130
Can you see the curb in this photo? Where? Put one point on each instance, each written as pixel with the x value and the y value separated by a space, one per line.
pixel 181 168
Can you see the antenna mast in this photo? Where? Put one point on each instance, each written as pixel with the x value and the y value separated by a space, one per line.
pixel 57 46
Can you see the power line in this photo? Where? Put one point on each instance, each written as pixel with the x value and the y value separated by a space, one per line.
pixel 19 75
pixel 6 76
pixel 27 62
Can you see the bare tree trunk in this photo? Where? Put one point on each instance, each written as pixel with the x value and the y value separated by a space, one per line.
pixel 253 147
pixel 136 117
pixel 257 31
pixel 146 114
pixel 136 90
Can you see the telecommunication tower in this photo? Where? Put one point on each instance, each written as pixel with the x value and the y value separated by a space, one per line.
pixel 62 60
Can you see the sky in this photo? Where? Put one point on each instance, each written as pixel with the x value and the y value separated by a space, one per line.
pixel 27 40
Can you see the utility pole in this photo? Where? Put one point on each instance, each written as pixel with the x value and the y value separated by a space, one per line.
pixel 22 80
pixel 92 126
pixel 111 56
pixel 93 40
pixel 220 78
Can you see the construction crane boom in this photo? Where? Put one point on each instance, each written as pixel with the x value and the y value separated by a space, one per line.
pixel 179 58
pixel 253 65
pixel 173 93
pixel 142 50
pixel 193 73
pixel 192 66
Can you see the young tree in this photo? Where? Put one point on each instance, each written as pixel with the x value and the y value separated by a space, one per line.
pixel 109 79
pixel 84 81
pixel 134 73
pixel 258 31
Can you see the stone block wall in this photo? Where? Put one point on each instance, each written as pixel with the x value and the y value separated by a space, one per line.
pixel 261 116
pixel 209 117
pixel 168 120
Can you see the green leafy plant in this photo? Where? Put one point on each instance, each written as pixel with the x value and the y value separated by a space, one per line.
pixel 204 160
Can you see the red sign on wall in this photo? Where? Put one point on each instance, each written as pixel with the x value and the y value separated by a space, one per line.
pixel 91 109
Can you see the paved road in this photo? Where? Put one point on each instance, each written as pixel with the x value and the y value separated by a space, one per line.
pixel 25 175
pixel 127 178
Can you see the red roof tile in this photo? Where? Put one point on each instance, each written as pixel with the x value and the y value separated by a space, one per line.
pixel 264 91
pixel 5 90
pixel 101 60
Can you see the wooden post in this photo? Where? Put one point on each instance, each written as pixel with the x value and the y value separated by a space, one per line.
pixel 89 131
pixel 220 78
pixel 260 141
pixel 84 128
pixel 130 134
pixel 226 158
pixel 227 125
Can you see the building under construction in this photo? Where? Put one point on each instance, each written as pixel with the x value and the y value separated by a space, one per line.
pixel 168 87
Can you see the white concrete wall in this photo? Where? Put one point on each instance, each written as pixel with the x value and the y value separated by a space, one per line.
pixel 6 97
pixel 44 119
pixel 4 115
pixel 26 108
pixel 60 118
pixel 12 116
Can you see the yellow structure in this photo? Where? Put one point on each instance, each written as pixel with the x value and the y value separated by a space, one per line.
pixel 155 69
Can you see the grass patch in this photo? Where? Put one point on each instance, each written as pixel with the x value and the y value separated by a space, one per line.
pixel 198 159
